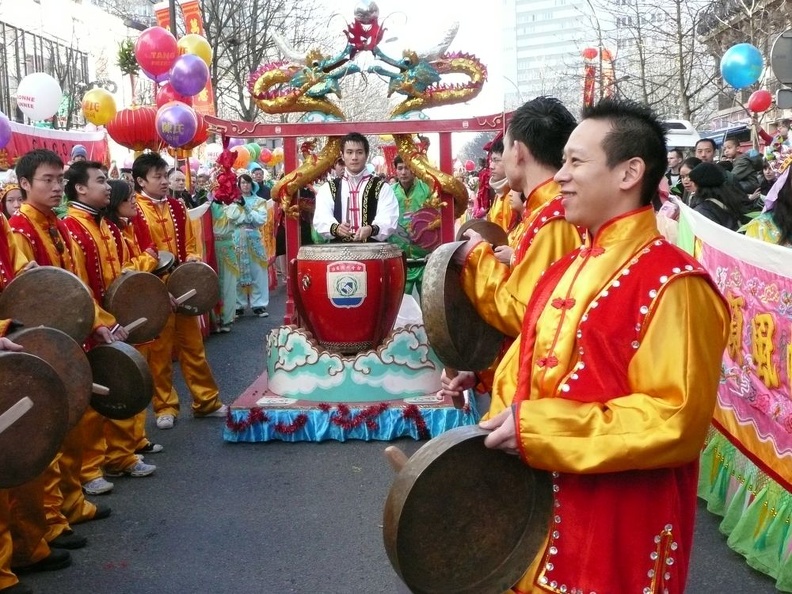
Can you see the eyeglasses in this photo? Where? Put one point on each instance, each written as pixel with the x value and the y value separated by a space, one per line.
pixel 51 181
pixel 56 239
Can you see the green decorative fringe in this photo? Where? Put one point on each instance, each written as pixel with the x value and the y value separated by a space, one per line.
pixel 756 510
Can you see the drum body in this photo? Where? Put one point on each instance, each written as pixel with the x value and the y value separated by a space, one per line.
pixel 348 295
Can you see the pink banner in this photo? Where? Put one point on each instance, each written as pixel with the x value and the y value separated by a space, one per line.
pixel 754 406
pixel 26 138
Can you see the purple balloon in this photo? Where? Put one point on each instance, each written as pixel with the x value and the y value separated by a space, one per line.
pixel 189 75
pixel 176 123
pixel 5 130
pixel 235 142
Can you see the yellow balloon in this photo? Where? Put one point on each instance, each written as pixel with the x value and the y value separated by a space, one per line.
pixel 98 106
pixel 196 45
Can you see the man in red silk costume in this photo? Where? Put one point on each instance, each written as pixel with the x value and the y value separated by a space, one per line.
pixel 616 370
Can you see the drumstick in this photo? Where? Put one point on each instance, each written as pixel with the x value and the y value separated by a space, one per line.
pixel 13 414
pixel 132 325
pixel 100 390
pixel 459 401
pixel 186 296
pixel 396 458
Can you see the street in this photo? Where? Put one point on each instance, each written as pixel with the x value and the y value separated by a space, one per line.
pixel 273 518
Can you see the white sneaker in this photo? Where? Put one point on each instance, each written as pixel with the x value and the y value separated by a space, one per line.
pixel 98 486
pixel 220 412
pixel 165 422
pixel 138 469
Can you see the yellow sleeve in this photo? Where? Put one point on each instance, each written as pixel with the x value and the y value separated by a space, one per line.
pixel 674 377
pixel 23 246
pixel 142 263
pixel 189 239
pixel 17 258
pixel 500 294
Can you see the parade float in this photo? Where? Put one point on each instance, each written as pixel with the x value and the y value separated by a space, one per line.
pixel 352 359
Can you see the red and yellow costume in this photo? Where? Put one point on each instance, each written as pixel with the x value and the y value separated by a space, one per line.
pixel 124 437
pixel 22 530
pixel 501 212
pixel 97 255
pixel 170 229
pixel 498 291
pixel 617 368
pixel 42 237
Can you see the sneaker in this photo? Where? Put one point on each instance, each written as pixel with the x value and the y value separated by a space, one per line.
pixel 102 512
pixel 240 312
pixel 68 539
pixel 52 562
pixel 149 448
pixel 138 469
pixel 98 486
pixel 261 312
pixel 225 329
pixel 220 412
pixel 165 422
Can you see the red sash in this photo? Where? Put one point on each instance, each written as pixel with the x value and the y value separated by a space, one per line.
pixel 23 225
pixel 93 263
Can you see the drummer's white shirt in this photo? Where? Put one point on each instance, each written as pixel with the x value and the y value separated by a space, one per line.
pixel 387 217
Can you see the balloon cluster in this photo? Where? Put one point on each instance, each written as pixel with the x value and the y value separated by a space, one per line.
pixel 741 66
pixel 182 69
pixel 246 153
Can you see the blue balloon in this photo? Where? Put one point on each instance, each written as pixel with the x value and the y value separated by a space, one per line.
pixel 741 65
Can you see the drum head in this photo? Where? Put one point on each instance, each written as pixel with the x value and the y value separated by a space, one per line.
pixel 67 359
pixel 458 335
pixel 166 261
pixel 135 295
pixel 121 368
pixel 29 444
pixel 52 297
pixel 198 276
pixel 491 232
pixel 462 518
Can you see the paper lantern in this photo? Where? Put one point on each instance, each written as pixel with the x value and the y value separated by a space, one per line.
pixel 134 128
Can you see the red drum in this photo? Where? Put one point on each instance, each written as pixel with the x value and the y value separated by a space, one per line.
pixel 348 295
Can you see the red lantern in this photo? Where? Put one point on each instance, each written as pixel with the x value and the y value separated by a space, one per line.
pixel 760 101
pixel 166 94
pixel 201 134
pixel 590 53
pixel 134 128
pixel 470 166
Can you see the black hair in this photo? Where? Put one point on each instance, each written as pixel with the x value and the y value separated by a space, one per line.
pixel 543 125
pixel 144 164
pixel 338 162
pixel 120 191
pixel 635 131
pixel 27 165
pixel 397 161
pixel 497 146
pixel 734 140
pixel 691 163
pixel 782 211
pixel 678 152
pixel 729 195
pixel 78 174
pixel 785 122
pixel 245 177
pixel 709 140
pixel 355 137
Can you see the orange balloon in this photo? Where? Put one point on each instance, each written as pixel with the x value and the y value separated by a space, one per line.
pixel 243 157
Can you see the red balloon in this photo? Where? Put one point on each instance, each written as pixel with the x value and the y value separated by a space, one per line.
pixel 760 101
pixel 470 165
pixel 167 93
pixel 590 53
pixel 156 51
pixel 265 156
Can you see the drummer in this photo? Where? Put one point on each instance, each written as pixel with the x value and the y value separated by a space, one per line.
pixel 169 226
pixel 613 381
pixel 96 252
pixel 45 239
pixel 412 195
pixel 22 543
pixel 535 139
pixel 359 206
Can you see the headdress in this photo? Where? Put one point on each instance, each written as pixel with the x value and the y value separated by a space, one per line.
pixel 5 189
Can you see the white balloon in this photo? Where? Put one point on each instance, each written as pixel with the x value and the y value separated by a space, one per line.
pixel 39 96
pixel 212 152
